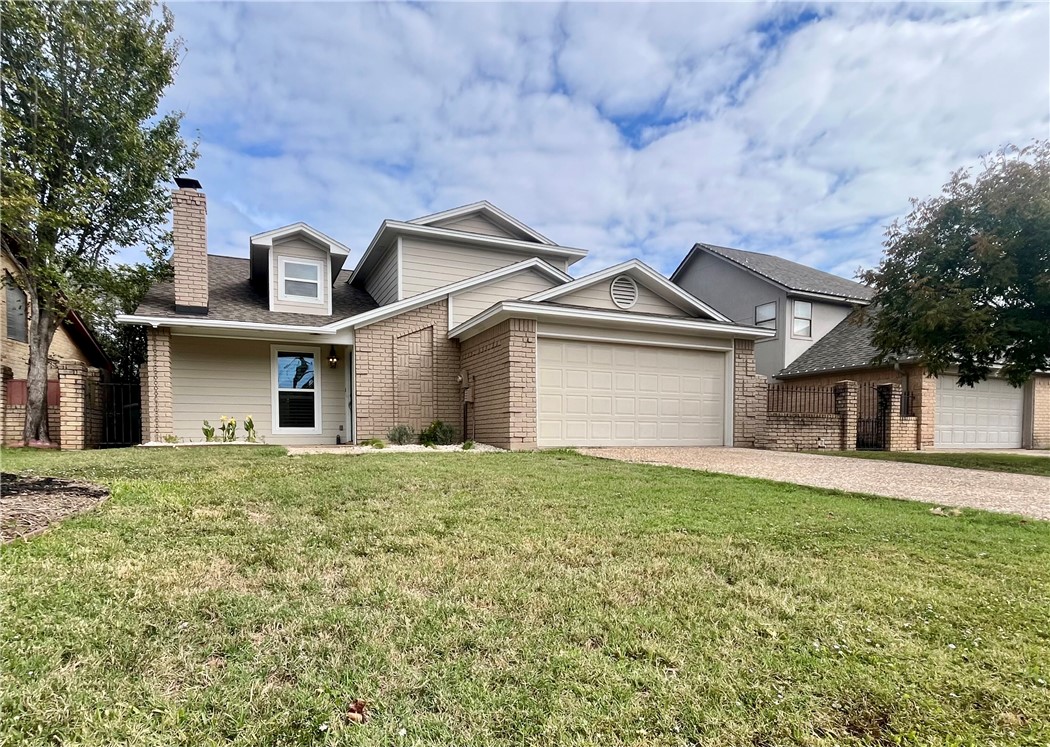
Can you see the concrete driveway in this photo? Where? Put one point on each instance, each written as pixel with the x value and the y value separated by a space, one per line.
pixel 1005 492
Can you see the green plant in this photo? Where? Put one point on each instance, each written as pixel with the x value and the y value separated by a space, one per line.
pixel 228 429
pixel 209 431
pixel 375 443
pixel 437 433
pixel 468 445
pixel 171 438
pixel 401 435
pixel 249 430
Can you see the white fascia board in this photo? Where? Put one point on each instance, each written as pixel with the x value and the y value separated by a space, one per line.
pixel 633 265
pixel 267 237
pixel 526 310
pixel 185 321
pixel 483 207
pixel 464 238
pixel 422 299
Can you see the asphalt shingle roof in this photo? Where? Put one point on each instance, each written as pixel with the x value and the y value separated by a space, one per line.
pixel 847 345
pixel 231 298
pixel 792 275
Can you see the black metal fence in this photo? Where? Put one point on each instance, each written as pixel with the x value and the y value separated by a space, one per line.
pixel 121 414
pixel 907 404
pixel 803 400
pixel 873 422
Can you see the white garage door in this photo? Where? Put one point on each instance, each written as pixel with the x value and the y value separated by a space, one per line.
pixel 988 416
pixel 607 394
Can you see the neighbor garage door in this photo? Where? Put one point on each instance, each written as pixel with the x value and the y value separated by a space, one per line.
pixel 988 416
pixel 609 394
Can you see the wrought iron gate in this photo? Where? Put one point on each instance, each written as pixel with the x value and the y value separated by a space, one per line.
pixel 873 417
pixel 121 414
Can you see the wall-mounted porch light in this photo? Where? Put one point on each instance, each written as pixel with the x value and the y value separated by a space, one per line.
pixel 333 359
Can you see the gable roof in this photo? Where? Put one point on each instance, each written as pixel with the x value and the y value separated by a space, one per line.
pixel 649 277
pixel 299 229
pixel 790 276
pixel 231 298
pixel 492 213
pixel 846 346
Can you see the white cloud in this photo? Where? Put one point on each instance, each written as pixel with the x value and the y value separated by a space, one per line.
pixel 630 130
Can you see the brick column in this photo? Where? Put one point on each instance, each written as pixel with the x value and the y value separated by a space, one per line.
pixel 157 410
pixel 890 399
pixel 846 408
pixel 5 374
pixel 749 396
pixel 926 410
pixel 521 350
pixel 72 401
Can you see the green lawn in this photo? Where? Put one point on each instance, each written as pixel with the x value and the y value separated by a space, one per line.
pixel 246 597
pixel 1020 463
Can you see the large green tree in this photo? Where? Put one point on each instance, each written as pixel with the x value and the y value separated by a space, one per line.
pixel 86 158
pixel 965 280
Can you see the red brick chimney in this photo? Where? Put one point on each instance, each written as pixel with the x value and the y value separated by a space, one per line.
pixel 190 222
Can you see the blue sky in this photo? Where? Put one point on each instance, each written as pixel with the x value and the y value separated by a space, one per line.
pixel 628 130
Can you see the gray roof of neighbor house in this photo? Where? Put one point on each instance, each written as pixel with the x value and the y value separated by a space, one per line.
pixel 784 272
pixel 232 298
pixel 846 346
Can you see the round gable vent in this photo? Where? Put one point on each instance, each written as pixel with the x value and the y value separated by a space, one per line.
pixel 624 291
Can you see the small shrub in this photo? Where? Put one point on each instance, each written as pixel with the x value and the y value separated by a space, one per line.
pixel 437 433
pixel 228 429
pixel 468 445
pixel 401 435
pixel 375 443
pixel 209 431
pixel 249 430
pixel 171 438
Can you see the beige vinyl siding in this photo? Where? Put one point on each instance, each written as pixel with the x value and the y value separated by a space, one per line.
pixel 212 377
pixel 477 224
pixel 519 285
pixel 597 297
pixel 300 249
pixel 381 283
pixel 430 264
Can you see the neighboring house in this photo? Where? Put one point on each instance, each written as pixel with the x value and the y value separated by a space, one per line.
pixel 800 304
pixel 467 316
pixel 74 358
pixel 990 415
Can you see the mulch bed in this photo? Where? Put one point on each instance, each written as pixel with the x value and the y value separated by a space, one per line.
pixel 29 504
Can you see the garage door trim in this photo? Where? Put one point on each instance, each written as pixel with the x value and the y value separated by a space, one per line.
pixel 728 375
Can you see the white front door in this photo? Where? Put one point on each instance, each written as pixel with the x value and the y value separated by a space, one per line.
pixel 987 416
pixel 612 394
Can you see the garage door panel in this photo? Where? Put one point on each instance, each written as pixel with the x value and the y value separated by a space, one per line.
pixel 632 395
pixel 988 416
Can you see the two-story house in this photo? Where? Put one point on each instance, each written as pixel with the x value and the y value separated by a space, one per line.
pixel 799 304
pixel 468 316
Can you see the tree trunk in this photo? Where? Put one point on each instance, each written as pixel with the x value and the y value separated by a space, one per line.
pixel 42 328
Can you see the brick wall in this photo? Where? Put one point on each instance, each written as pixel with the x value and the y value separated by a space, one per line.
pixel 1041 412
pixel 785 431
pixel 190 234
pixel 749 395
pixel 390 387
pixel 155 380
pixel 501 369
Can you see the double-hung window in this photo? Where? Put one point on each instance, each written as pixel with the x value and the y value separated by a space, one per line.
pixel 802 319
pixel 296 399
pixel 300 280
pixel 16 311
pixel 766 315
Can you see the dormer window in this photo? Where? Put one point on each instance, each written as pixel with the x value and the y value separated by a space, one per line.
pixel 300 280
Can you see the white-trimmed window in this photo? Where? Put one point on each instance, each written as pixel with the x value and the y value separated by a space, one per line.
pixel 296 389
pixel 300 280
pixel 766 315
pixel 16 310
pixel 802 319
